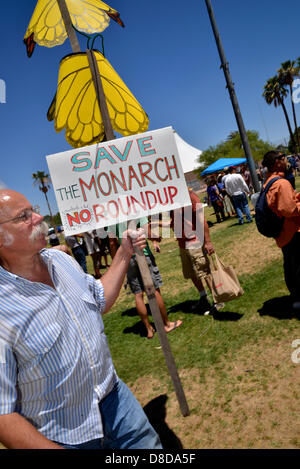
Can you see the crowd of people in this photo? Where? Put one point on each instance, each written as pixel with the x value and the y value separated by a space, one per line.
pixel 292 169
pixel 93 243
pixel 58 385
pixel 227 190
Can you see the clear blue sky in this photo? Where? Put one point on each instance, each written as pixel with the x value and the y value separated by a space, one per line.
pixel 167 56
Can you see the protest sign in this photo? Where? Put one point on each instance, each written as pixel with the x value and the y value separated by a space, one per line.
pixel 119 180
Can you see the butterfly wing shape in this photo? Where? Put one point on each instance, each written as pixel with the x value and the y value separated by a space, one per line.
pixel 30 44
pixel 76 108
pixel 51 110
pixel 46 26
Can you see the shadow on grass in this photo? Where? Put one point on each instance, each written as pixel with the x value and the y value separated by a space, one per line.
pixel 138 328
pixel 130 312
pixel 227 316
pixel 280 308
pixel 186 307
pixel 156 413
pixel 238 224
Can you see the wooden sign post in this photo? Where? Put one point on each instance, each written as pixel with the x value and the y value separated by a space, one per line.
pixel 68 25
pixel 109 134
pixel 155 311
pixel 141 260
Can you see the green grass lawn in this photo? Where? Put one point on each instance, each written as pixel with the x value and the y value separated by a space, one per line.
pixel 236 325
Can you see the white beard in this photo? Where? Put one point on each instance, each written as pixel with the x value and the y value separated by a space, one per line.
pixel 39 230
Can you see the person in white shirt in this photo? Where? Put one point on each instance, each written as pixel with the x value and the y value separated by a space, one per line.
pixel 236 187
pixel 224 176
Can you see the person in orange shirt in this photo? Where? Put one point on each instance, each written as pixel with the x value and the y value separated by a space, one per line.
pixel 285 202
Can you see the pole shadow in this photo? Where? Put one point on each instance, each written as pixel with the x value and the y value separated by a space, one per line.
pixel 156 413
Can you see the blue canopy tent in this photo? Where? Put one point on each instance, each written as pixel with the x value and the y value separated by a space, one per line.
pixel 223 163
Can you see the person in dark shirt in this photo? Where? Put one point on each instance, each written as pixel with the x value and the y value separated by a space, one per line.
pixel 289 171
pixel 53 238
pixel 216 199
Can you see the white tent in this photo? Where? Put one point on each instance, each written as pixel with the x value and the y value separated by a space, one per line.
pixel 188 154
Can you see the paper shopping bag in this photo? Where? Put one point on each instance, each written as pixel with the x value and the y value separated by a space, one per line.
pixel 222 281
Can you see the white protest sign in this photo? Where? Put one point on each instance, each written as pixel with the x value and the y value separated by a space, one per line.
pixel 123 179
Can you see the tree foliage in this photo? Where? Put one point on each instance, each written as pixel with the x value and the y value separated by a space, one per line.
pixel 277 88
pixel 288 71
pixel 54 221
pixel 232 148
pixel 275 93
pixel 43 181
pixel 291 145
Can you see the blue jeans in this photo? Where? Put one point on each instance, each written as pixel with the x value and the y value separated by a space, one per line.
pixel 125 425
pixel 241 206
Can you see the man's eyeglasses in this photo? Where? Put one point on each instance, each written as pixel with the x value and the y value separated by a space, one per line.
pixel 25 216
pixel 280 157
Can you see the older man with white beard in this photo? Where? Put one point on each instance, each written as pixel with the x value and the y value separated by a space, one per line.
pixel 58 385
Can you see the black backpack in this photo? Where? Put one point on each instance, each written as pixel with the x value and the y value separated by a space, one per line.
pixel 267 222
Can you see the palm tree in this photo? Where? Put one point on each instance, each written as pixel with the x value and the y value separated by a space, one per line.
pixel 286 75
pixel 43 180
pixel 274 93
pixel 232 135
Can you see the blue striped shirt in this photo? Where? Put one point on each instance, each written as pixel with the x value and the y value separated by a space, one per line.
pixel 55 364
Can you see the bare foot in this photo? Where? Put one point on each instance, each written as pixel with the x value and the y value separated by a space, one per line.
pixel 173 325
pixel 150 333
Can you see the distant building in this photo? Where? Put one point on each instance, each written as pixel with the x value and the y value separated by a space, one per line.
pixel 190 161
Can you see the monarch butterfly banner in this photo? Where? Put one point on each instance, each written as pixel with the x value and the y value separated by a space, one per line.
pixel 119 180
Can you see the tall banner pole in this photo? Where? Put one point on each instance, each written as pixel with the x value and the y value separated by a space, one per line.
pixel 155 311
pixel 109 134
pixel 68 25
pixel 234 101
pixel 93 67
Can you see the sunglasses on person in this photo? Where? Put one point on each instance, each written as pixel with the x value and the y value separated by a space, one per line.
pixel 25 216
